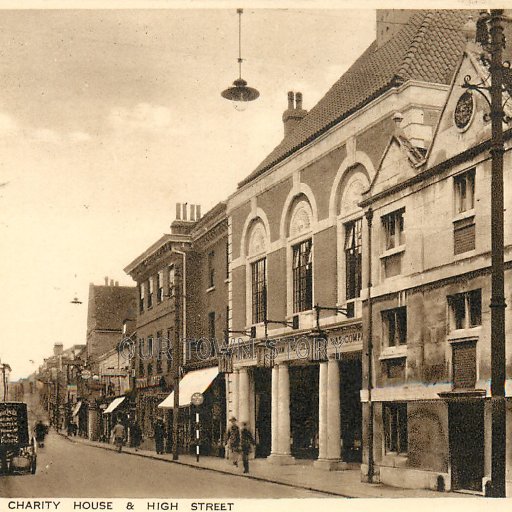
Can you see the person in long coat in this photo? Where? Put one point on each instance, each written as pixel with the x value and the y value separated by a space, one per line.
pixel 246 444
pixel 233 441
pixel 159 430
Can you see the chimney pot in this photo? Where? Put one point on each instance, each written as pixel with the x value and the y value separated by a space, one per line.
pixel 111 282
pixel 298 101
pixel 106 280
pixel 290 100
pixel 178 211
pixel 198 211
pixel 185 211
pixel 116 283
pixel 192 212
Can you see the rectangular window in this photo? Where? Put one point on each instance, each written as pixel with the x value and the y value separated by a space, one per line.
pixel 169 347
pixel 150 292
pixel 141 348
pixel 171 280
pixel 150 346
pixel 259 290
pixel 302 276
pixel 211 270
pixel 465 309
pixel 395 326
pixel 464 364
pixel 395 427
pixel 353 260
pixel 464 185
pixel 211 325
pixel 160 286
pixel 464 235
pixel 393 224
pixel 141 297
pixel 159 351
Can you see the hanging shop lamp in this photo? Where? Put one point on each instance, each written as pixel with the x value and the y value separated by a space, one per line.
pixel 240 94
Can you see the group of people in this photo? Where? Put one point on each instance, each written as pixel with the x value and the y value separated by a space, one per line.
pixel 239 441
pixel 118 435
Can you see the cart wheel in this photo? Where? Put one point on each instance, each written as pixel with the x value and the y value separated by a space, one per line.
pixel 33 466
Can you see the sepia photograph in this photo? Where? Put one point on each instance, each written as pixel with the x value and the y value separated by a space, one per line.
pixel 254 254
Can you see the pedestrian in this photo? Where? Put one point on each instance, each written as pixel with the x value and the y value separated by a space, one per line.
pixel 136 435
pixel 159 429
pixel 233 441
pixel 118 434
pixel 246 444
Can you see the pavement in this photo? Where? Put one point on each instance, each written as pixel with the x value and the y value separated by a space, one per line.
pixel 301 475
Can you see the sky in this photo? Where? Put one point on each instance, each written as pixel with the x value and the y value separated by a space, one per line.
pixel 110 117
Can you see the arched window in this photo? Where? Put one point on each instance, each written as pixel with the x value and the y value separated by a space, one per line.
pixel 257 258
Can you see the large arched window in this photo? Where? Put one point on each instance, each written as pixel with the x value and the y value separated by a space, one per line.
pixel 300 237
pixel 257 248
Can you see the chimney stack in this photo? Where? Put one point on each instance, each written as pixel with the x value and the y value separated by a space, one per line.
pixel 294 114
pixel 116 283
pixel 58 348
pixel 111 282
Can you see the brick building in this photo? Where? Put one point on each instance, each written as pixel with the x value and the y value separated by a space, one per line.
pixel 182 283
pixel 298 238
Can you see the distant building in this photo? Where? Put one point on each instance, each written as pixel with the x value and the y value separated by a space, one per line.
pixel 5 370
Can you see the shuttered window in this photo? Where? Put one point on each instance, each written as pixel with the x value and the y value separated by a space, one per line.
pixel 464 236
pixel 464 364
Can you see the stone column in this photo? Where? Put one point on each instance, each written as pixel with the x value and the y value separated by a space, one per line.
pixel 329 456
pixel 234 395
pixel 333 412
pixel 281 452
pixel 274 413
pixel 243 396
pixel 322 414
pixel 284 410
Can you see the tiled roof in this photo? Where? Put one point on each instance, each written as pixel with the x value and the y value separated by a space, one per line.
pixel 427 48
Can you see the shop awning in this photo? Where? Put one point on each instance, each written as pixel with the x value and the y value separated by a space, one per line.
pixel 114 404
pixel 77 408
pixel 197 381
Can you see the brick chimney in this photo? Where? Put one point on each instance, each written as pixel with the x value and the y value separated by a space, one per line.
pixel 294 113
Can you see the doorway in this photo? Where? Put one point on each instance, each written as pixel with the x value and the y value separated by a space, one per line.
pixel 350 406
pixel 304 410
pixel 263 410
pixel 466 424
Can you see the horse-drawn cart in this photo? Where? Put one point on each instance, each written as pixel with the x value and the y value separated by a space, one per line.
pixel 17 447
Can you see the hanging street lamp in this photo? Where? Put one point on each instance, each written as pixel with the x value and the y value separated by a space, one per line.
pixel 240 94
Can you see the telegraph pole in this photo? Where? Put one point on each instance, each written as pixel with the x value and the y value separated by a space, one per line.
pixel 178 297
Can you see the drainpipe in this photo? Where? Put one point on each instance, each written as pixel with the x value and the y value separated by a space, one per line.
pixel 182 289
pixel 371 470
pixel 184 281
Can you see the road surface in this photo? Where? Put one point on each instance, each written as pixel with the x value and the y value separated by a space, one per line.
pixel 74 470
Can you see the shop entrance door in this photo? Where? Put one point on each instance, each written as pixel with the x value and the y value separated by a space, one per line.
pixel 466 421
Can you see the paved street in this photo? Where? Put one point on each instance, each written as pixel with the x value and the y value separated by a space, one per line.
pixel 72 470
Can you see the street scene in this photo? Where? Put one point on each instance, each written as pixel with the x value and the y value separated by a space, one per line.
pixel 289 285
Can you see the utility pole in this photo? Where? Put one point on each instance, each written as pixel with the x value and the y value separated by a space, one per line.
pixel 178 297
pixel 498 305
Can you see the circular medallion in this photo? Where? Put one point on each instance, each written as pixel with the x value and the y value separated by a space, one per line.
pixel 464 111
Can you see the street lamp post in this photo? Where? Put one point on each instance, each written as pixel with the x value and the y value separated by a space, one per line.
pixel 490 35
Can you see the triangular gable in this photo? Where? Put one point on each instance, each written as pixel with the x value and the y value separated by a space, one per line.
pixel 399 163
pixel 461 124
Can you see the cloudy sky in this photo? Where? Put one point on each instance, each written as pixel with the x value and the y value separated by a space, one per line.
pixel 110 117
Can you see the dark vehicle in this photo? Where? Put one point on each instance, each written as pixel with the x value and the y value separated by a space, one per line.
pixel 17 448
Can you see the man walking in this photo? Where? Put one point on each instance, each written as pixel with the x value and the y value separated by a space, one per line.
pixel 118 433
pixel 233 441
pixel 246 444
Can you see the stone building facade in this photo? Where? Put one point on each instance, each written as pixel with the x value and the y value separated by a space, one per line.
pixel 427 315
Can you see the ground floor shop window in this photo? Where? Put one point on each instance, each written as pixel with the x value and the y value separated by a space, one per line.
pixel 395 428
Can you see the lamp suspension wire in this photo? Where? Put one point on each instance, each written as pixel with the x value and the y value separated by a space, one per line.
pixel 239 11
